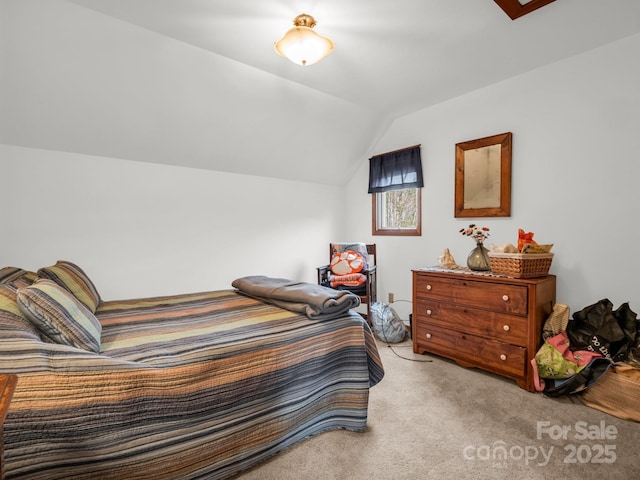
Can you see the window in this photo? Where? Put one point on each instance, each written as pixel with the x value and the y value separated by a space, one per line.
pixel 397 212
pixel 395 182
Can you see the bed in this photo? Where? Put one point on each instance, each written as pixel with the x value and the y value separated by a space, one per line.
pixel 199 385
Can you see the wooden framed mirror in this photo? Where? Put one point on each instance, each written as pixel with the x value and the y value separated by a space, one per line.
pixel 483 177
pixel 518 8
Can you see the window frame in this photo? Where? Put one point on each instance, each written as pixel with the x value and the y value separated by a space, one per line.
pixel 400 232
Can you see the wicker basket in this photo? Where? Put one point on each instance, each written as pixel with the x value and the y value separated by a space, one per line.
pixel 520 265
pixel 616 393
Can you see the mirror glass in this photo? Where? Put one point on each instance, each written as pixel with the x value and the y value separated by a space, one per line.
pixel 483 177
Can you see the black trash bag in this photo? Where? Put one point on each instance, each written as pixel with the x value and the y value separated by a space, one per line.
pixel 634 354
pixel 595 328
pixel 628 321
pixel 578 382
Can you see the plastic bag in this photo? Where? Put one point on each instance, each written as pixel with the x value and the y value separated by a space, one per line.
pixel 386 323
pixel 601 329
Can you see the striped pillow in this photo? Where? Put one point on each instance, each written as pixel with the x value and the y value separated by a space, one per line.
pixel 72 277
pixel 8 300
pixel 16 277
pixel 13 323
pixel 59 316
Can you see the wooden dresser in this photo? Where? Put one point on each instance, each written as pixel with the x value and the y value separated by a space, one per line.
pixel 489 322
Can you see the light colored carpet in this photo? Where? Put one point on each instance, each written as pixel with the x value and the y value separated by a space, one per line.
pixel 438 420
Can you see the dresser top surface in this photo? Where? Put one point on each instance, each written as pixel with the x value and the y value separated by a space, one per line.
pixel 464 273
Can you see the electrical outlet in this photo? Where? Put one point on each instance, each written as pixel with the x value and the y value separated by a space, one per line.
pixel 390 297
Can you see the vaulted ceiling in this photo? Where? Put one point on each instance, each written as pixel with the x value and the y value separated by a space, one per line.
pixel 391 58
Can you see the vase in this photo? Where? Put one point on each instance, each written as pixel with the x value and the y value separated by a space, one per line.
pixel 478 259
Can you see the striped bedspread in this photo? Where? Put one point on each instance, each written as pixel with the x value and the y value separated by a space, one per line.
pixel 190 386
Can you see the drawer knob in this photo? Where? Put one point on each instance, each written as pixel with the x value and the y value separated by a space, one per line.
pixel 428 287
pixel 428 335
pixel 428 312
pixel 506 328
pixel 505 298
pixel 503 357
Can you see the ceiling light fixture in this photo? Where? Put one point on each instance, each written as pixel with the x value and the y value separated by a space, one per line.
pixel 302 45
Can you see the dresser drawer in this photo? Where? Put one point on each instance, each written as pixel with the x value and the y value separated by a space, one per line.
pixel 467 349
pixel 498 297
pixel 499 326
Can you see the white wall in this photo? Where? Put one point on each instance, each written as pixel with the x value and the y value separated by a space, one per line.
pixel 141 229
pixel 575 174
pixel 75 80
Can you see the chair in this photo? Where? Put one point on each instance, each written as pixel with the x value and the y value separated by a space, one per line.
pixel 368 290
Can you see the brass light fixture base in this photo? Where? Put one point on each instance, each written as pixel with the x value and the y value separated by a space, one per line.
pixel 304 20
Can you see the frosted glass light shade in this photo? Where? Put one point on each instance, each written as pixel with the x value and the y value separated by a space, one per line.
pixel 302 45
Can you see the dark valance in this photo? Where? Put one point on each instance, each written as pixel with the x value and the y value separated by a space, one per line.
pixel 396 170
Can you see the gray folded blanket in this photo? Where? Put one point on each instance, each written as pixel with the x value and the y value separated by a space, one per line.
pixel 315 301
